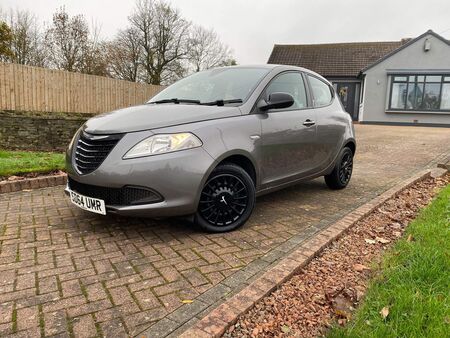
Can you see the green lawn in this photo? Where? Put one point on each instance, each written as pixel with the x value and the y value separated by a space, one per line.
pixel 414 282
pixel 21 162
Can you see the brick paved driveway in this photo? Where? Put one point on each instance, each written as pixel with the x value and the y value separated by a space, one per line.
pixel 66 272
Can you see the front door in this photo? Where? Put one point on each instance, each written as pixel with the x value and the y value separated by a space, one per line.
pixel 288 136
pixel 346 92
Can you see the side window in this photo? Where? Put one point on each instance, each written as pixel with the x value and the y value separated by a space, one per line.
pixel 321 91
pixel 291 83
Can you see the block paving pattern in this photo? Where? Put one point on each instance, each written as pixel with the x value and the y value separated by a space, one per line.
pixel 66 272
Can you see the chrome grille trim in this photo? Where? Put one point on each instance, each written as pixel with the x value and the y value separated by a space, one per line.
pixel 91 150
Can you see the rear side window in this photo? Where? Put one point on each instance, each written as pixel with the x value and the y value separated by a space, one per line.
pixel 291 83
pixel 321 91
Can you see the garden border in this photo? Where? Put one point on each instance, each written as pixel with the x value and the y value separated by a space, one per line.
pixel 33 183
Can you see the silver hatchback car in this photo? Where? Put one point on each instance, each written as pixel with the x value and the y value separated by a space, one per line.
pixel 207 145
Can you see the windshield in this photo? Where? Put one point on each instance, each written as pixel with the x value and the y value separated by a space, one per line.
pixel 215 84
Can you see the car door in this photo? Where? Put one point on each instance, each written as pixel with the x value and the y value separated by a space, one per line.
pixel 330 121
pixel 288 136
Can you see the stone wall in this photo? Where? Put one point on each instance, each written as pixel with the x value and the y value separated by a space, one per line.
pixel 43 131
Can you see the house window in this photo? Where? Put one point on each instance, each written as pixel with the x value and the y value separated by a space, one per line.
pixel 420 92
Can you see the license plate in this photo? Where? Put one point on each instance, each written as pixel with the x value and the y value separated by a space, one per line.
pixel 88 203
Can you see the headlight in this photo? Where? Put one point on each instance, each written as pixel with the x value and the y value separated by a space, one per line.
pixel 163 143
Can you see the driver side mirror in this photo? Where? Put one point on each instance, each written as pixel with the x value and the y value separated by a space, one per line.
pixel 276 101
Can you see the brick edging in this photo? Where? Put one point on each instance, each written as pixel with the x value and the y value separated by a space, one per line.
pixel 32 183
pixel 226 314
pixel 444 163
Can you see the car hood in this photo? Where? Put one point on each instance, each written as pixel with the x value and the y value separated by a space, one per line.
pixel 151 116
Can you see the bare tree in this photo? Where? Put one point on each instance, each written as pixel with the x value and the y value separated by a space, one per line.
pixel 27 44
pixel 206 50
pixel 67 40
pixel 158 47
pixel 124 55
pixel 163 36
pixel 94 58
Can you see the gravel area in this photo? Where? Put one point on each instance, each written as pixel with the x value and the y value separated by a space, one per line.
pixel 330 287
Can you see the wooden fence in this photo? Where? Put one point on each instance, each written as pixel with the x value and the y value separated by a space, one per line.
pixel 27 88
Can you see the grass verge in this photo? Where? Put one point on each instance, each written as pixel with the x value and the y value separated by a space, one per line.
pixel 22 162
pixel 413 284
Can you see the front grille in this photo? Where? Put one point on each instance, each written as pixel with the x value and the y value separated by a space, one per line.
pixel 91 150
pixel 128 195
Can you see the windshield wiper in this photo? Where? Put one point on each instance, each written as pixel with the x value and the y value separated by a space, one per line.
pixel 221 102
pixel 212 103
pixel 176 101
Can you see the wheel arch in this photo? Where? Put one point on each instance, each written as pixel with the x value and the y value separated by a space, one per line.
pixel 239 157
pixel 351 144
pixel 242 161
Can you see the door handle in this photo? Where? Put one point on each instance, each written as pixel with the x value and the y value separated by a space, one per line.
pixel 309 123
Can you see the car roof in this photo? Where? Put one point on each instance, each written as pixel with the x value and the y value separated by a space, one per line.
pixel 264 66
pixel 278 67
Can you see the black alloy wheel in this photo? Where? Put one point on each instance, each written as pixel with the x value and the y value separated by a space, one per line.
pixel 346 168
pixel 342 171
pixel 227 199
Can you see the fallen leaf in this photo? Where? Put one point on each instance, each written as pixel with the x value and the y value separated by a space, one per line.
pixel 370 241
pixel 359 295
pixel 396 225
pixel 360 267
pixel 382 240
pixel 341 306
pixel 410 238
pixel 384 312
pixel 397 234
pixel 285 329
pixel 187 301
pixel 341 322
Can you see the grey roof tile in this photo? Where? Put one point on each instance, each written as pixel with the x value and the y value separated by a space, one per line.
pixel 334 59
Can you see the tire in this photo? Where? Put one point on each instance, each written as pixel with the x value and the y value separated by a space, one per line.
pixel 342 171
pixel 227 199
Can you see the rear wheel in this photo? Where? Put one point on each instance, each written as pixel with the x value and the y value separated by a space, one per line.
pixel 342 172
pixel 227 199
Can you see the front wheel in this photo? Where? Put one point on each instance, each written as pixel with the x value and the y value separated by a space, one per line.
pixel 342 172
pixel 227 199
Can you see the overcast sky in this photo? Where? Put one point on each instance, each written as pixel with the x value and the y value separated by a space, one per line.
pixel 251 27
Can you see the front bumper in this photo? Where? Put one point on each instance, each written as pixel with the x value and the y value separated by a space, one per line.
pixel 178 177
